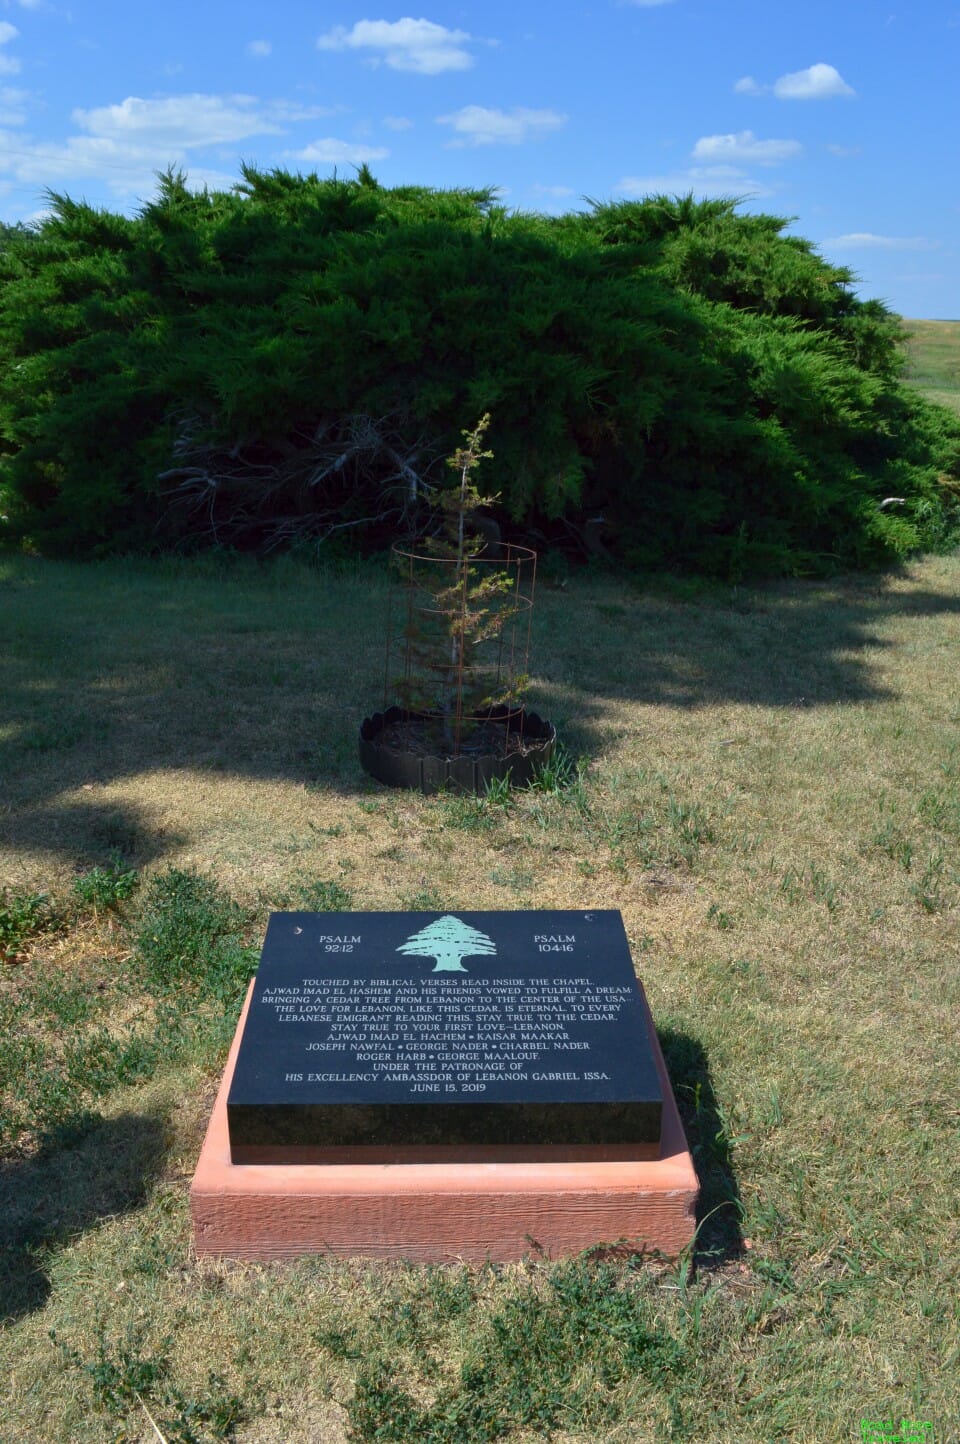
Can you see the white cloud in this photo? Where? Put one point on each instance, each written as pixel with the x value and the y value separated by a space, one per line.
pixel 127 170
pixel 703 181
pixel 9 64
pixel 199 176
pixel 420 46
pixel 397 122
pixel 126 144
pixel 868 241
pixel 43 213
pixel 845 152
pixel 178 123
pixel 259 49
pixel 817 82
pixel 12 106
pixel 339 152
pixel 476 125
pixel 287 112
pixel 557 192
pixel 744 147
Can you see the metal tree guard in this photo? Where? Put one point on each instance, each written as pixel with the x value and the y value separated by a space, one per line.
pixel 457 656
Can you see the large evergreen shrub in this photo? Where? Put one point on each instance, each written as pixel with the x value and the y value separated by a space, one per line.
pixel 265 366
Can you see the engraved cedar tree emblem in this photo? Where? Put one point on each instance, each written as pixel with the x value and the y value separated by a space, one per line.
pixel 448 940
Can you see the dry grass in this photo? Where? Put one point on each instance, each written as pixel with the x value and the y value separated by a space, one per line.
pixel 771 795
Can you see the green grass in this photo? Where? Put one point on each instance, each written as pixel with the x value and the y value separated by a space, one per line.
pixel 933 353
pixel 766 782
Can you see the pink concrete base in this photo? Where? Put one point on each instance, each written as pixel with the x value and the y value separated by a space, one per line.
pixel 440 1211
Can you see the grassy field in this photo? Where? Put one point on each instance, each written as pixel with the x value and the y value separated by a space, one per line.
pixel 768 788
pixel 933 351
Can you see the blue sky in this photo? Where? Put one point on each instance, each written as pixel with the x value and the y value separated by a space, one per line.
pixel 842 115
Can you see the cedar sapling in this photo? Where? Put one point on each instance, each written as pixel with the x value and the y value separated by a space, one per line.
pixel 461 602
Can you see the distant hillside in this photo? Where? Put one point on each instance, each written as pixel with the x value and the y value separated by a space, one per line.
pixel 934 351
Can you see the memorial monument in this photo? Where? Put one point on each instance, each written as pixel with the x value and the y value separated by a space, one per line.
pixel 444 1085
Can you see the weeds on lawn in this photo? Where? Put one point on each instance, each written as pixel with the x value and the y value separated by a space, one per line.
pixel 424 900
pixel 468 813
pixel 103 889
pixel 562 775
pixel 561 1351
pixel 22 916
pixel 189 936
pixel 130 1382
pixel 932 891
pixel 324 896
pixel 63 1047
pixel 119 1373
pixel 801 884
pixel 891 840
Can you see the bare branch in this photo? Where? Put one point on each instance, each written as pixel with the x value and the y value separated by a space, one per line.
pixel 356 471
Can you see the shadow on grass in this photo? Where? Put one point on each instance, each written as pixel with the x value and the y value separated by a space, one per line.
pixel 796 645
pixel 86 1170
pixel 114 672
pixel 719 1210
pixel 91 833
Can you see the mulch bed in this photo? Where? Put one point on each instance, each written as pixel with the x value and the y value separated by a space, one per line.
pixel 425 738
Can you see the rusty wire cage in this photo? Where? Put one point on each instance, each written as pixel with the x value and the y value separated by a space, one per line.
pixel 458 642
pixel 457 656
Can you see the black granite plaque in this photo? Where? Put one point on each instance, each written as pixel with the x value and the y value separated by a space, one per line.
pixel 386 1032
